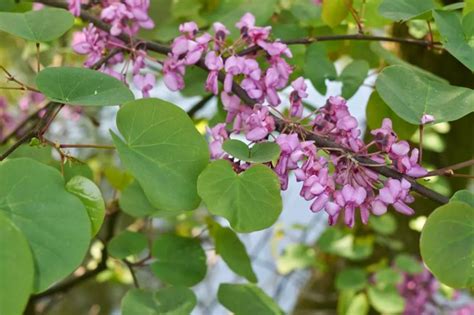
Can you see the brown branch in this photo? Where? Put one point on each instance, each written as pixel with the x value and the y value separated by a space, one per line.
pixel 450 169
pixel 353 37
pixel 240 92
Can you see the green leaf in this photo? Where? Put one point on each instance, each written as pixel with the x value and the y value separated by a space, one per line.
pixel 81 86
pixel 39 26
pixel 386 300
pixel 163 150
pixel 403 10
pixel 233 252
pixel 408 264
pixel 16 268
pixel 244 299
pixel 74 168
pixel 457 35
pixel 237 149
pixel 168 301
pixel 377 110
pixel 387 278
pixel 318 67
pixel 261 152
pixel 385 224
pixel 179 260
pixel 54 221
pixel 392 59
pixel 447 244
pixel 250 200
pixel 91 197
pixel 126 244
pixel 296 256
pixel 464 196
pixel 344 244
pixel 411 96
pixel 335 11
pixel 351 279
pixel 359 305
pixel 353 76
pixel 117 178
pixel 134 202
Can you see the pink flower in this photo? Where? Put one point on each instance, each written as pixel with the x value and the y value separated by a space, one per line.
pixel 218 135
pixel 145 83
pixel 426 118
pixel 394 193
pixel 297 96
pixel 247 21
pixel 75 7
pixel 173 72
pixel 259 123
pixel 385 137
pixel 190 29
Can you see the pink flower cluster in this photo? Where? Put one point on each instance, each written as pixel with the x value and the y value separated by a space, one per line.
pixel 350 184
pixel 125 17
pixel 335 181
pixel 420 293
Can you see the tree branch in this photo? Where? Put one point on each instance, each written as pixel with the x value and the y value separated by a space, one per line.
pixel 240 92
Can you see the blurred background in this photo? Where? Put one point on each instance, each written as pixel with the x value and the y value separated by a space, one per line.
pixel 305 266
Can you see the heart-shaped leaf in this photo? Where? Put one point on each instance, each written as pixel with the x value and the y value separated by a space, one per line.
pixel 244 299
pixel 411 96
pixel 39 26
pixel 168 301
pixel 457 35
pixel 16 268
pixel 163 150
pixel 447 244
pixel 233 251
pixel 91 197
pixel 179 260
pixel 54 222
pixel 250 200
pixel 403 10
pixel 261 152
pixel 81 86
pixel 126 244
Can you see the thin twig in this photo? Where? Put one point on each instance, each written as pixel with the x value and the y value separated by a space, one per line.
pixel 199 105
pixel 451 168
pixel 132 272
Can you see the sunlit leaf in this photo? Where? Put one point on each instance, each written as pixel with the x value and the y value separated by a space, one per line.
pixel 411 96
pixel 244 299
pixel 163 150
pixel 54 222
pixel 81 86
pixel 250 200
pixel 39 26
pixel 16 268
pixel 447 244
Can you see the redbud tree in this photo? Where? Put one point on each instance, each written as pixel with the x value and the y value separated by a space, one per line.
pixel 102 180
